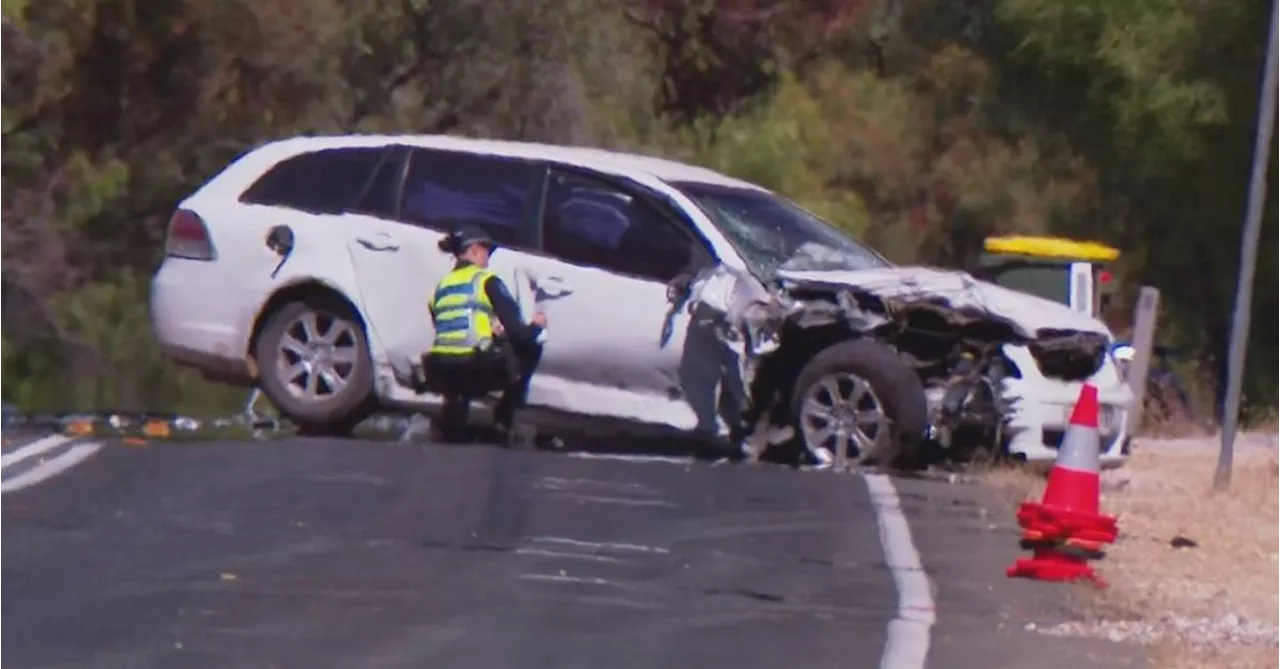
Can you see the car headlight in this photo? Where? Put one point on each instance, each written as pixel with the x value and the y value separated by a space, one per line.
pixel 1122 355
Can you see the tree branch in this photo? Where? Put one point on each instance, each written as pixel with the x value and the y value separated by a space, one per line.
pixel 366 105
pixel 453 118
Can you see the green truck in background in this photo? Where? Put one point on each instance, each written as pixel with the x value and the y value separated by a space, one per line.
pixel 1077 274
pixel 1071 272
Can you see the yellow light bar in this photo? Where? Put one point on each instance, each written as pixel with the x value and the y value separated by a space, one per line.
pixel 1051 247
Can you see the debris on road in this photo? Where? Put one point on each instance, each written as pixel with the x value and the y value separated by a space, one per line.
pixel 140 424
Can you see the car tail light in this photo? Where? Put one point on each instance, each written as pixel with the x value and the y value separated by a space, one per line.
pixel 188 237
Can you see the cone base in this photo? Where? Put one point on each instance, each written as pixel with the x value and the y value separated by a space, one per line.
pixel 1055 567
pixel 1041 523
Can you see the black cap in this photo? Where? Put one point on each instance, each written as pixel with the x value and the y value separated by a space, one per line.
pixel 463 236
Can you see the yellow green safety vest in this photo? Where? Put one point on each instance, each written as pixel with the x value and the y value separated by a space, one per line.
pixel 463 312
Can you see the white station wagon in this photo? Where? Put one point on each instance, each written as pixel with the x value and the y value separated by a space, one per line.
pixel 677 298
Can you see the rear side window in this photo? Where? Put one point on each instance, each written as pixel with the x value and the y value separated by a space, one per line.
pixel 321 182
pixel 443 189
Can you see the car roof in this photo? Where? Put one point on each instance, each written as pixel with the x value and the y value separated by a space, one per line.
pixel 601 160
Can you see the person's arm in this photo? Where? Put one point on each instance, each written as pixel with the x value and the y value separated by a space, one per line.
pixel 508 312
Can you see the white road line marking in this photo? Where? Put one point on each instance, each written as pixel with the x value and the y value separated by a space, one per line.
pixel 557 483
pixel 33 449
pixel 907 645
pixel 602 544
pixel 615 500
pixel 564 578
pixel 571 556
pixel 626 457
pixel 50 468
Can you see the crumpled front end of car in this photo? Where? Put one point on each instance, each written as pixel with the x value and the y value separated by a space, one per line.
pixel 998 366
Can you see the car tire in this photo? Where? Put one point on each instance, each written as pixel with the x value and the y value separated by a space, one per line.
pixel 883 382
pixel 322 403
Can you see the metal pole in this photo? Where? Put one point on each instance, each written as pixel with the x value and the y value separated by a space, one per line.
pixel 1248 261
pixel 1142 341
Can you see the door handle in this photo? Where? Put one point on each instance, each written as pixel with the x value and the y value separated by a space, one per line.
pixel 379 242
pixel 552 286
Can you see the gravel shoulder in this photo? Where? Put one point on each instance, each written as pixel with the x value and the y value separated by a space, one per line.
pixel 967 536
pixel 1194 573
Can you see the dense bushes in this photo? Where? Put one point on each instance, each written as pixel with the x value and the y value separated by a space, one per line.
pixel 918 127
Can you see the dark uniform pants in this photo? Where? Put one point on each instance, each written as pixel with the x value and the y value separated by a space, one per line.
pixel 505 367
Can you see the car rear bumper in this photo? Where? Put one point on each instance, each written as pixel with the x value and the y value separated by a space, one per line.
pixel 194 320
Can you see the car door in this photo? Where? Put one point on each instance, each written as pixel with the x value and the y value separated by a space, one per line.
pixel 616 346
pixel 408 209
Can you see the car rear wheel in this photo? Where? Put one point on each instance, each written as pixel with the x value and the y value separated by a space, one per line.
pixel 860 395
pixel 313 359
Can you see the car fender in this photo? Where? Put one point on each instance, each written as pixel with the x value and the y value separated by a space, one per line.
pixel 336 275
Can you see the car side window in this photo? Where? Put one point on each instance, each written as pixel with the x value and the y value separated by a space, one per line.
pixel 319 182
pixel 590 222
pixel 443 189
pixel 379 198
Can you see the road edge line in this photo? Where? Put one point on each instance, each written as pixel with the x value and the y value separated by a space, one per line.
pixel 908 634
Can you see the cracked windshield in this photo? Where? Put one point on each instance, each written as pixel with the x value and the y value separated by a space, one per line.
pixel 774 234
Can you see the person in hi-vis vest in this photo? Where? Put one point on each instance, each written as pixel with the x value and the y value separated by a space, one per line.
pixel 481 342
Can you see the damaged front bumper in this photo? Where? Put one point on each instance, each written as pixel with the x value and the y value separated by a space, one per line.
pixel 960 334
pixel 1038 420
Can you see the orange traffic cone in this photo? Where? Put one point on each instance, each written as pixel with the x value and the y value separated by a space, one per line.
pixel 1074 482
pixel 1066 528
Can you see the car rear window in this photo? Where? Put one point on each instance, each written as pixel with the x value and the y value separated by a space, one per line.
pixel 320 182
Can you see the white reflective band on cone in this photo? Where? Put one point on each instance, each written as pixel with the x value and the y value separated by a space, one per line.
pixel 1079 450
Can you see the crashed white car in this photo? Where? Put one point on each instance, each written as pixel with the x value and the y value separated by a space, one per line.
pixel 678 298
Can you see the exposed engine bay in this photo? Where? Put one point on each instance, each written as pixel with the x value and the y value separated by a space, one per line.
pixel 950 328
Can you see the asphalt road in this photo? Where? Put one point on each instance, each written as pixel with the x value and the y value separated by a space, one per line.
pixel 332 553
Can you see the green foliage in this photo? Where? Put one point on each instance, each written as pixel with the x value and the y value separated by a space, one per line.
pixel 106 326
pixel 918 127
pixel 784 145
pixel 1134 57
pixel 13 9
pixel 892 161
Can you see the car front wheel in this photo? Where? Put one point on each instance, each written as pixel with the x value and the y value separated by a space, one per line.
pixel 859 395
pixel 313 359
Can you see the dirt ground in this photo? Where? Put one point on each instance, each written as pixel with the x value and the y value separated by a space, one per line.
pixel 1194 572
